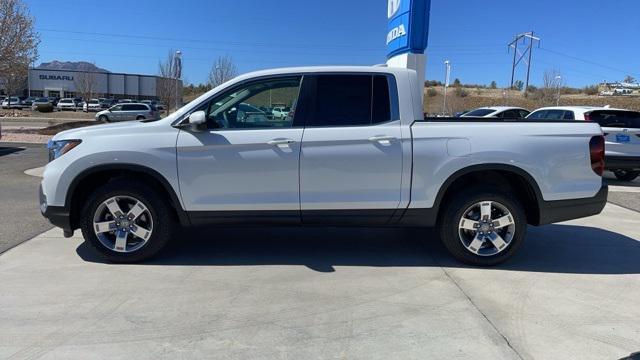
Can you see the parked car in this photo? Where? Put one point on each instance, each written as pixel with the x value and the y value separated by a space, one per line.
pixel 92 105
pixel 28 101
pixel 621 130
pixel 125 101
pixel 364 160
pixel 107 103
pixel 67 104
pixel 39 101
pixel 54 100
pixel 128 111
pixel 498 112
pixel 12 102
pixel 280 112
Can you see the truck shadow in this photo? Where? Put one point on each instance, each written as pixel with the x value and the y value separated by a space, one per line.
pixel 10 150
pixel 552 249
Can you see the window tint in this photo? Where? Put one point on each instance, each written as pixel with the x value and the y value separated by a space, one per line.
pixel 510 114
pixel 480 112
pixel 523 113
pixel 342 100
pixel 616 119
pixel 381 100
pixel 139 107
pixel 537 114
pixel 241 107
pixel 128 108
pixel 568 115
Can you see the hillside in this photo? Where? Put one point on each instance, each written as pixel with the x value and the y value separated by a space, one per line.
pixel 71 65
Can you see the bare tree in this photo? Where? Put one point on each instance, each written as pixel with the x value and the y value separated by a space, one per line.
pixel 169 83
pixel 86 83
pixel 552 82
pixel 18 44
pixel 223 70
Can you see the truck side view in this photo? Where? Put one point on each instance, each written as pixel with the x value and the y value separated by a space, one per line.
pixel 355 150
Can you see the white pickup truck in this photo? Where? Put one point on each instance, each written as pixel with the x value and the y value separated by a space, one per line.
pixel 355 151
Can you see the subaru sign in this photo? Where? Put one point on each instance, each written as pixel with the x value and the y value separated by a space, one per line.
pixel 408 27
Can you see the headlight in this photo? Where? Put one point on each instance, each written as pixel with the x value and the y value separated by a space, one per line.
pixel 61 147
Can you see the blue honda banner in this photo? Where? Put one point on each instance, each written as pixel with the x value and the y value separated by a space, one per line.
pixel 408 26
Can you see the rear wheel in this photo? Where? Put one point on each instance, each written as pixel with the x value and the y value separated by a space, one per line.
pixel 126 222
pixel 626 175
pixel 482 226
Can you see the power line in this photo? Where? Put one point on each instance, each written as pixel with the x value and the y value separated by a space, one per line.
pixel 588 61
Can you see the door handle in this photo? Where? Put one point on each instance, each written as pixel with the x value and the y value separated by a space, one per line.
pixel 382 138
pixel 280 142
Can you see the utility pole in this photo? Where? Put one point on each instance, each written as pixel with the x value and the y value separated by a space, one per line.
pixel 447 75
pixel 528 39
pixel 177 72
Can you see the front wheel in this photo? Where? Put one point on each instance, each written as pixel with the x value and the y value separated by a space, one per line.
pixel 626 175
pixel 103 118
pixel 127 222
pixel 483 226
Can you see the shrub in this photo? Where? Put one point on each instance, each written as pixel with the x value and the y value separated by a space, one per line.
pixel 460 92
pixel 431 92
pixel 591 90
pixel 45 108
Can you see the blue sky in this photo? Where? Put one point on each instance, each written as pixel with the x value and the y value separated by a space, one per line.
pixel 588 41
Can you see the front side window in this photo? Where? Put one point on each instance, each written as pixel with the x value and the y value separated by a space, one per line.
pixel 242 107
pixel 480 112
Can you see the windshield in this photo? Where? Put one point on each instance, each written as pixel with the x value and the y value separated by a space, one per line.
pixel 480 112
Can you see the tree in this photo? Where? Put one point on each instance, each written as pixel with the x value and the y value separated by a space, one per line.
pixel 86 83
pixel 519 85
pixel 168 86
pixel 552 82
pixel 456 82
pixel 223 70
pixel 18 45
pixel 629 79
pixel 493 85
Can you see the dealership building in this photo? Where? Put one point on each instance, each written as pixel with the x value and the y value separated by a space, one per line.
pixel 66 84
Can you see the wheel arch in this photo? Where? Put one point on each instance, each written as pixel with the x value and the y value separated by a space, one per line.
pixel 514 178
pixel 83 185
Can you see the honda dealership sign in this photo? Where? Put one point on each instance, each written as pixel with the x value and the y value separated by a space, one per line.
pixel 408 27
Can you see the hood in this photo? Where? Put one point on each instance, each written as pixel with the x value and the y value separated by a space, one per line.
pixel 104 129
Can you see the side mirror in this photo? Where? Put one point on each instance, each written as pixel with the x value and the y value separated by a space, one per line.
pixel 197 120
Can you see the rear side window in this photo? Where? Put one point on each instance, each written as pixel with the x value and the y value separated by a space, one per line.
pixel 349 100
pixel 550 115
pixel 127 108
pixel 479 112
pixel 616 119
pixel 569 115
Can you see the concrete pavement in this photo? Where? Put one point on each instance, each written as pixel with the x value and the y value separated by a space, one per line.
pixel 571 293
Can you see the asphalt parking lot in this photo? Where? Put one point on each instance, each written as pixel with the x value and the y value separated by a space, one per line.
pixel 288 293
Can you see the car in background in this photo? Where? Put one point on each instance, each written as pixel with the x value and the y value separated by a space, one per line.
pixel 28 101
pixel 39 101
pixel 107 103
pixel 12 102
pixel 125 101
pixel 54 100
pixel 67 104
pixel 507 112
pixel 280 112
pixel 127 112
pixel 92 105
pixel 621 130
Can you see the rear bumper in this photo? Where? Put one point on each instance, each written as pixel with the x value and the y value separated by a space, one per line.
pixel 563 210
pixel 622 162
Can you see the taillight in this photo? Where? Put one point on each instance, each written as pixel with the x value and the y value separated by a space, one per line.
pixel 596 148
pixel 587 117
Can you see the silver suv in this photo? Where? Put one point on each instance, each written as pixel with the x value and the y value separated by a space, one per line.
pixel 128 111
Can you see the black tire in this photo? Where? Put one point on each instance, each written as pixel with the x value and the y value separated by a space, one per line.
pixel 626 175
pixel 103 118
pixel 455 208
pixel 164 222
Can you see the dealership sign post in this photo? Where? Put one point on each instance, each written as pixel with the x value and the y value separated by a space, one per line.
pixel 407 35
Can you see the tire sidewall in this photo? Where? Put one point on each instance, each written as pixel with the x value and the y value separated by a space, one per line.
pixel 163 222
pixel 449 225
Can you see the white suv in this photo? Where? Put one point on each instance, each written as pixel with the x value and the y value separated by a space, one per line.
pixel 67 104
pixel 621 129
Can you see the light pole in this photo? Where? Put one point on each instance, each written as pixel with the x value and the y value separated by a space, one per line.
pixel 559 80
pixel 447 74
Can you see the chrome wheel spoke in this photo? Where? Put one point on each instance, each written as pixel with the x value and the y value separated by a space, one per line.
pixel 114 208
pixel 497 241
pixel 105 226
pixel 469 224
pixel 136 210
pixel 121 241
pixel 485 210
pixel 476 244
pixel 503 221
pixel 141 232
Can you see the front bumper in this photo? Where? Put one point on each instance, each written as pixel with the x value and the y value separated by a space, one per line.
pixel 57 215
pixel 622 162
pixel 564 210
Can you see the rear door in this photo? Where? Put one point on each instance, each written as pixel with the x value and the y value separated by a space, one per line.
pixel 622 131
pixel 351 157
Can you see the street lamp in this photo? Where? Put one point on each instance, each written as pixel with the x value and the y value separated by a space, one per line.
pixel 447 74
pixel 559 80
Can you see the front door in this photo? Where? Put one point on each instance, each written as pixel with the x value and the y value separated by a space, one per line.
pixel 245 165
pixel 351 159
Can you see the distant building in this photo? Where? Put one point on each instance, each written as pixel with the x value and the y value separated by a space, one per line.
pixel 65 83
